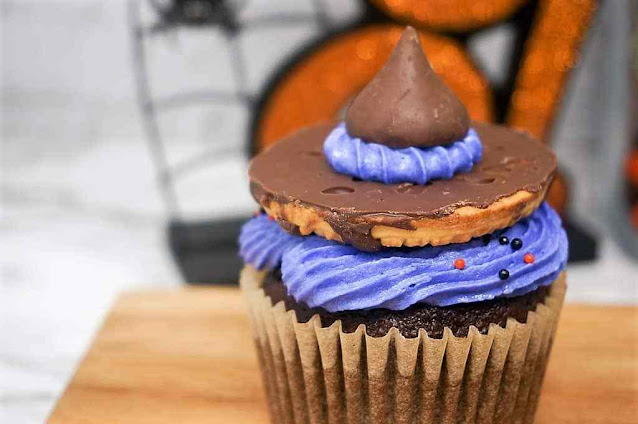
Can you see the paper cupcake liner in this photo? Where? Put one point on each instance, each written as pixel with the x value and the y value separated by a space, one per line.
pixel 324 375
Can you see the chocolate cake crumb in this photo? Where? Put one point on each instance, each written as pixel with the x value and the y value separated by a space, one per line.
pixel 433 319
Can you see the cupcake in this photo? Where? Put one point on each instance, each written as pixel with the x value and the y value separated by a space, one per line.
pixel 404 267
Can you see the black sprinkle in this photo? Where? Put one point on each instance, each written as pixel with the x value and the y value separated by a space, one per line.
pixel 503 274
pixel 486 238
pixel 503 240
pixel 517 243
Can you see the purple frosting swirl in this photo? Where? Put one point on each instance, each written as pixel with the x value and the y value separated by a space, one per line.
pixel 262 242
pixel 376 162
pixel 337 277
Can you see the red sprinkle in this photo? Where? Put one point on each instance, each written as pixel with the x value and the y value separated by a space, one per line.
pixel 528 258
pixel 459 264
pixel 271 218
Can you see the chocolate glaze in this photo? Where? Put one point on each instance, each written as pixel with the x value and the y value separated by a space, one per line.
pixel 295 170
pixel 406 104
pixel 289 227
pixel 433 319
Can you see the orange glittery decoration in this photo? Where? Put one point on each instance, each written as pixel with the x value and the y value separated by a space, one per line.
pixel 550 52
pixel 318 87
pixel 459 264
pixel 528 258
pixel 632 168
pixel 455 15
pixel 558 193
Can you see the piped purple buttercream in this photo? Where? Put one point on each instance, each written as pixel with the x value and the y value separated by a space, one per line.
pixel 376 162
pixel 337 277
pixel 262 242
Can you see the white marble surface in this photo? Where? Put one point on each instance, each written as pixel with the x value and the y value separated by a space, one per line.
pixel 82 218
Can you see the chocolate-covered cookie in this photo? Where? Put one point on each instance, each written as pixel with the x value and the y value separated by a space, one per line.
pixel 294 183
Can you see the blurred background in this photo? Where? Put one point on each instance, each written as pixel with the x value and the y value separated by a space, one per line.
pixel 127 127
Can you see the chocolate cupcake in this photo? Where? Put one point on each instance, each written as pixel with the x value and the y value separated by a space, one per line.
pixel 405 267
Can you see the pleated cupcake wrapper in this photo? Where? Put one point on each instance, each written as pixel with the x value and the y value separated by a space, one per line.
pixel 324 375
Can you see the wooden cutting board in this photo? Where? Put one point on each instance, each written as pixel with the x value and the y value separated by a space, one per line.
pixel 186 356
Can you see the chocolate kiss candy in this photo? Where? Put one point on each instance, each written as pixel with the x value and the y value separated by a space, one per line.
pixel 406 104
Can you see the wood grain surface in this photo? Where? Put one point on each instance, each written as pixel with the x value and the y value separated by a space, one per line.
pixel 186 356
